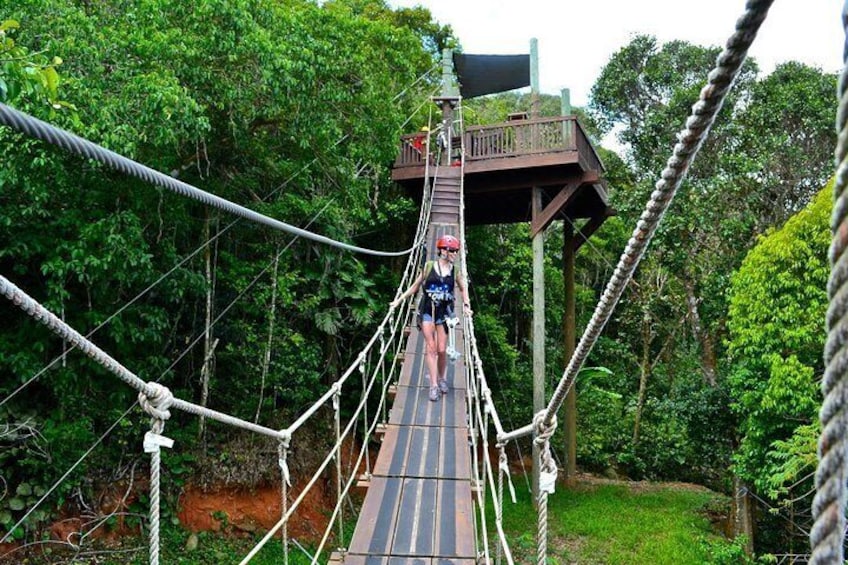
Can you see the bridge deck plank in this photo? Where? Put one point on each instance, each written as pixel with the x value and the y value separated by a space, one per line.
pixel 418 509
pixel 424 452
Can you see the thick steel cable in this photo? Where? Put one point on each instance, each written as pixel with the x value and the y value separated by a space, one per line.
pixel 436 66
pixel 689 142
pixel 827 533
pixel 203 246
pixel 38 129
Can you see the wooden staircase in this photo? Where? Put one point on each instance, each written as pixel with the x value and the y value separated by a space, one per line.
pixel 445 208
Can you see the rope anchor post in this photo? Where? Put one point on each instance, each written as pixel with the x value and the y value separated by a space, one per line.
pixel 155 399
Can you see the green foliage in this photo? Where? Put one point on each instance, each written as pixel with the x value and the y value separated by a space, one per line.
pixel 768 151
pixel 27 77
pixel 290 108
pixel 727 552
pixel 777 304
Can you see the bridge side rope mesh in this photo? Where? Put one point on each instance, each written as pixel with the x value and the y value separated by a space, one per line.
pixel 828 531
pixel 698 125
pixel 72 143
pixel 481 409
pixel 395 319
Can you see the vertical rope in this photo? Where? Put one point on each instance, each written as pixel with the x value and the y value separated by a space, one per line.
pixel 365 426
pixel 499 508
pixel 383 405
pixel 283 454
pixel 155 462
pixel 547 479
pixel 156 405
pixel 337 410
pixel 542 538
pixel 827 533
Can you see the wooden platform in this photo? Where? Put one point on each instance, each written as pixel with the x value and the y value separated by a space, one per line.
pixel 418 508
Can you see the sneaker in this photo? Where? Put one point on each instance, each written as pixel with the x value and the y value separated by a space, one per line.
pixel 443 386
pixel 434 393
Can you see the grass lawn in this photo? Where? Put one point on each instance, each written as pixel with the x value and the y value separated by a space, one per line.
pixel 616 524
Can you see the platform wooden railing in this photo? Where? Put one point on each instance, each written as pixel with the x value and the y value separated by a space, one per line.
pixel 515 139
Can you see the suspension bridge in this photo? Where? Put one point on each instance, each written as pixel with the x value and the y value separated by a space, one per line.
pixel 426 492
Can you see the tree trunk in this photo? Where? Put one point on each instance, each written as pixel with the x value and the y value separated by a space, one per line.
pixel 208 347
pixel 644 373
pixel 266 358
pixel 708 360
pixel 743 523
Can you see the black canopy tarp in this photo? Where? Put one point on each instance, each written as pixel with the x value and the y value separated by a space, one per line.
pixel 487 74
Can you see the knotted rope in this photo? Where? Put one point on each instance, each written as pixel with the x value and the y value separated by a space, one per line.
pixel 155 400
pixel 827 533
pixel 547 478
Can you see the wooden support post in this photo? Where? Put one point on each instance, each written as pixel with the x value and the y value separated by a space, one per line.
pixel 569 332
pixel 538 328
pixel 534 78
pixel 447 132
pixel 449 96
pixel 569 325
pixel 565 110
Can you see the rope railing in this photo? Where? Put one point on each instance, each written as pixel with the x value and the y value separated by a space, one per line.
pixel 392 321
pixel 162 398
pixel 151 390
pixel 698 125
pixel 383 399
pixel 828 532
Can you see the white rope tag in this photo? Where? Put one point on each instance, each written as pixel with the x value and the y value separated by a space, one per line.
pixel 547 481
pixel 152 442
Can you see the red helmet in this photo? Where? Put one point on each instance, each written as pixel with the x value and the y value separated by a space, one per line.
pixel 448 242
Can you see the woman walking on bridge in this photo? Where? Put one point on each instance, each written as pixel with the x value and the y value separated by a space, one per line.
pixel 437 305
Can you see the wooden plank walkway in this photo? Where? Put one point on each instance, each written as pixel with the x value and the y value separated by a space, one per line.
pixel 418 508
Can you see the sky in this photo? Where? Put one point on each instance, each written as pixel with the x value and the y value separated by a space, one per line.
pixel 576 38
